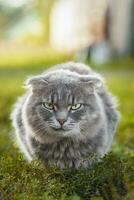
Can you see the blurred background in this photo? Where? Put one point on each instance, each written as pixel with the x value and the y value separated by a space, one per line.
pixel 36 34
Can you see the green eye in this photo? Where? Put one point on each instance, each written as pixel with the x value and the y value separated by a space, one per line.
pixel 76 106
pixel 49 106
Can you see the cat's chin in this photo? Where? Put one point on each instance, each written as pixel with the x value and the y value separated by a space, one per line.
pixel 62 132
pixel 57 132
pixel 61 129
pixel 57 129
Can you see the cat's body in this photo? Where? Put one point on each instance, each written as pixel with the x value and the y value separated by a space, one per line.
pixel 65 116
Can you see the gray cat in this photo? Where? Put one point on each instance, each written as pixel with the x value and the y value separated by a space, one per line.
pixel 66 115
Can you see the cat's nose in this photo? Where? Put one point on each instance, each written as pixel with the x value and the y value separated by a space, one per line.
pixel 61 121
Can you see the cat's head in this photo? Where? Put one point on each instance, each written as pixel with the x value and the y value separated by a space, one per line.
pixel 63 104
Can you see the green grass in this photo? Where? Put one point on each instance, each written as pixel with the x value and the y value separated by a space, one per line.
pixel 111 179
pixel 116 64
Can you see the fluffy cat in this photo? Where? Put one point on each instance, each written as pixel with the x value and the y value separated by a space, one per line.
pixel 65 116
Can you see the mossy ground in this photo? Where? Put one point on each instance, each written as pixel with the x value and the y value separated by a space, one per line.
pixel 112 178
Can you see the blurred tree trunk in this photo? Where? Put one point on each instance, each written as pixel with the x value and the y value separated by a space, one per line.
pixel 44 10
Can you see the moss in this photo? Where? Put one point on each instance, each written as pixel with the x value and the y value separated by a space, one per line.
pixel 109 179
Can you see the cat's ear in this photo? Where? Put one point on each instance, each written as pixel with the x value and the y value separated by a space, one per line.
pixel 36 82
pixel 92 81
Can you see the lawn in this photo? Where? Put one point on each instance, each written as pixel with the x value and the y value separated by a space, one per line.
pixel 113 178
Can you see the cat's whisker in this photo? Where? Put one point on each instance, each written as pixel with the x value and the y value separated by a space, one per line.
pixel 40 123
pixel 82 128
pixel 37 131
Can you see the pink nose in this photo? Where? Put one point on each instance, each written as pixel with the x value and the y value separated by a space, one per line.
pixel 61 121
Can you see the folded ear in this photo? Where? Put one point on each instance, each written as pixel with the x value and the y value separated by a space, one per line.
pixel 92 81
pixel 36 82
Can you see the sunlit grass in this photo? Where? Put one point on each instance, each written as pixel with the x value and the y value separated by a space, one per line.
pixel 32 57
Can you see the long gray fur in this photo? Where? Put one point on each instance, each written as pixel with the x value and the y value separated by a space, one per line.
pixel 86 131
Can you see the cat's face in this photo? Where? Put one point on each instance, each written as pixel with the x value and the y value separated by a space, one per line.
pixel 62 108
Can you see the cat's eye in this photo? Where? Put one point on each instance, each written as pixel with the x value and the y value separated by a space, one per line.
pixel 75 106
pixel 48 105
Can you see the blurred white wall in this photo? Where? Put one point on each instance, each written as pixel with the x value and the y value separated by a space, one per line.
pixel 72 21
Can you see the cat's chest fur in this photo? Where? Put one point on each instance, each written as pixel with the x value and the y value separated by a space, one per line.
pixel 66 152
